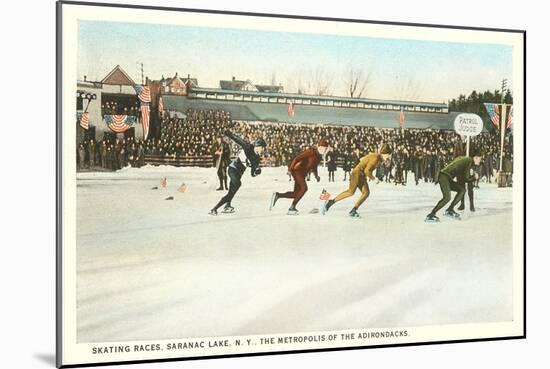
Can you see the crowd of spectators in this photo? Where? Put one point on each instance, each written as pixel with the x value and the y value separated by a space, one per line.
pixel 113 107
pixel 110 154
pixel 418 152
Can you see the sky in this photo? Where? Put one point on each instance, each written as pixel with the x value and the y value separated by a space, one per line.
pixel 396 69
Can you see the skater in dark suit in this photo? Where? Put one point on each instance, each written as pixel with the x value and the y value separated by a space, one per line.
pixel 459 168
pixel 248 156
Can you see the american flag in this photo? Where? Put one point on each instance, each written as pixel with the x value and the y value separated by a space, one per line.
pixel 119 123
pixel 510 117
pixel 163 182
pixel 85 120
pixel 325 195
pixel 493 111
pixel 182 188
pixel 145 119
pixel 401 118
pixel 290 110
pixel 143 92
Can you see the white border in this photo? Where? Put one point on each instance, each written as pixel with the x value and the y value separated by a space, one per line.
pixel 74 353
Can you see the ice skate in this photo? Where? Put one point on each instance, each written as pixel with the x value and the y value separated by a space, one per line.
pixel 452 214
pixel 431 219
pixel 228 209
pixel 292 211
pixel 354 214
pixel 274 199
pixel 327 206
pixel 213 212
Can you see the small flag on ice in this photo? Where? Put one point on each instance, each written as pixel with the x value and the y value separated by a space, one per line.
pixel 324 195
pixel 182 188
pixel 163 182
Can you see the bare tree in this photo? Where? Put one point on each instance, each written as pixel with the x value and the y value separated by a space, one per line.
pixel 357 82
pixel 408 89
pixel 320 81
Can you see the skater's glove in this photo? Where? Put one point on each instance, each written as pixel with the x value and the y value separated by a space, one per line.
pixel 258 171
pixel 318 178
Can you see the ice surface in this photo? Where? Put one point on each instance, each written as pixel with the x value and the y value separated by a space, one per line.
pixel 148 268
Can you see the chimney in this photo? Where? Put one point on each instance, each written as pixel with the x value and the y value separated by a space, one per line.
pixel 233 78
pixel 84 78
pixel 176 74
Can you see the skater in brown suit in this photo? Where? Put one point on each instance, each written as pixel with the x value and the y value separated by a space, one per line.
pixel 358 179
pixel 302 164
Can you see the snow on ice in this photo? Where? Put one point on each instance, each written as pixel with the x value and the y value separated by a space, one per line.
pixel 148 268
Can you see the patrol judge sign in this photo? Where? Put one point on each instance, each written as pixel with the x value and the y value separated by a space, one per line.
pixel 467 124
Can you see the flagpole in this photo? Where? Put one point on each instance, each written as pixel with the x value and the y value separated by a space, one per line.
pixel 502 131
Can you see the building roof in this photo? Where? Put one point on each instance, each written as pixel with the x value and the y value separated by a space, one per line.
pixel 118 77
pixel 232 85
pixel 269 88
pixel 313 114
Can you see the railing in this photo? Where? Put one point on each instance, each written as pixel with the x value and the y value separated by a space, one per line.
pixel 205 161
pixel 183 161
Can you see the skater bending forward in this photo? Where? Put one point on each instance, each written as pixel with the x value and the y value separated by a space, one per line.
pixel 459 168
pixel 248 156
pixel 302 164
pixel 358 179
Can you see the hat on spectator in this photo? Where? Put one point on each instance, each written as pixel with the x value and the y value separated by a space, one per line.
pixel 385 149
pixel 323 143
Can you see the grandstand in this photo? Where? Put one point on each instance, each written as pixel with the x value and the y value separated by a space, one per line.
pixel 273 107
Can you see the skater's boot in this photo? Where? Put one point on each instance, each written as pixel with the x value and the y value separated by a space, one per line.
pixel 353 213
pixel 213 212
pixel 228 209
pixel 461 207
pixel 452 214
pixel 327 206
pixel 274 199
pixel 431 218
pixel 472 209
pixel 292 210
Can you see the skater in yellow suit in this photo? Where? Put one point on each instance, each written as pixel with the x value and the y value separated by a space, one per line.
pixel 358 179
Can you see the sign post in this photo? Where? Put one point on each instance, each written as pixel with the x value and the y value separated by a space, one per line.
pixel 469 125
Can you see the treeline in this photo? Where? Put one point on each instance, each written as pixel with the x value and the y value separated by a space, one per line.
pixel 474 104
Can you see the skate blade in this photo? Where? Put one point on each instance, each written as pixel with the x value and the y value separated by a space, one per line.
pixel 292 213
pixel 431 220
pixel 228 211
pixel 271 203
pixel 354 216
pixel 452 217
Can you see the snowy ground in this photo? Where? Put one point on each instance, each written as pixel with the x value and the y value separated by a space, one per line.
pixel 155 269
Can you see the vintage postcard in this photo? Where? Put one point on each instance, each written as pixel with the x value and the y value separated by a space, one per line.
pixel 235 184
